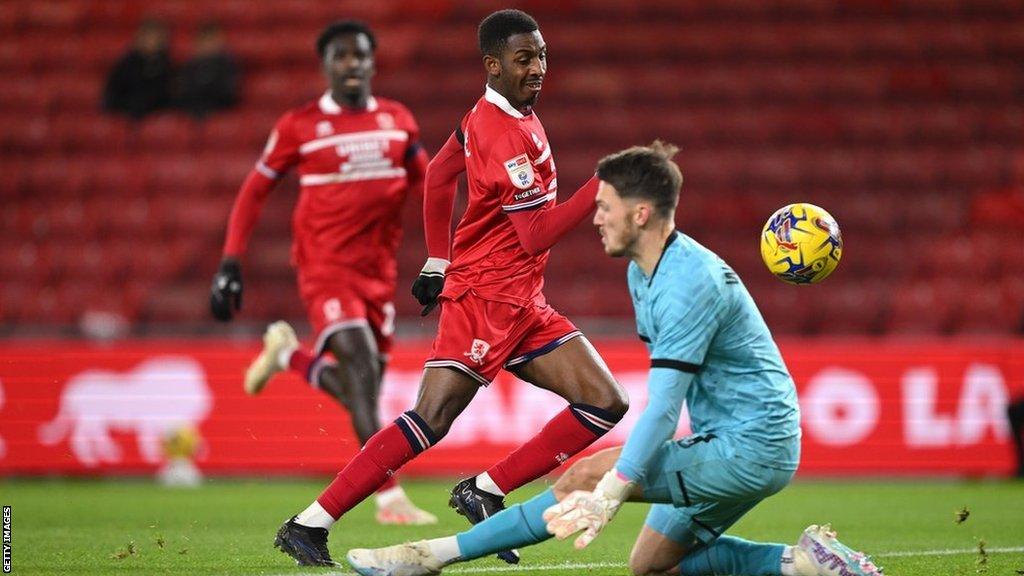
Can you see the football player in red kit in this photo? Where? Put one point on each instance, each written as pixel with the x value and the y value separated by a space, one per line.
pixel 358 158
pixel 493 313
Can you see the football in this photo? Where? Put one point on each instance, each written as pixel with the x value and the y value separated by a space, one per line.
pixel 801 244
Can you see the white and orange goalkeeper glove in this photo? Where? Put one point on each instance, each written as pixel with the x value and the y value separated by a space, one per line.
pixel 588 512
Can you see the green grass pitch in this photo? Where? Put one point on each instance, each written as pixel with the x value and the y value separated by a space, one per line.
pixel 227 526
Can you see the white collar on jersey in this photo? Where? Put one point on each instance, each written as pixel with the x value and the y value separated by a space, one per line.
pixel 329 106
pixel 492 96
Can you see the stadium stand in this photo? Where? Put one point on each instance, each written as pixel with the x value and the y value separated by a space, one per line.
pixel 893 115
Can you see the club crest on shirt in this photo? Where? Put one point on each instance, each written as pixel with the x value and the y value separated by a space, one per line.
pixel 520 171
pixel 324 128
pixel 385 121
pixel 477 351
pixel 332 310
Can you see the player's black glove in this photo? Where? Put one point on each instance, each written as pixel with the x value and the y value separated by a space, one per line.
pixel 430 283
pixel 226 292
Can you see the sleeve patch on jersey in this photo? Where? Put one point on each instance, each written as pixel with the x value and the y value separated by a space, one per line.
pixel 520 171
pixel 535 203
pixel 687 367
pixel 267 170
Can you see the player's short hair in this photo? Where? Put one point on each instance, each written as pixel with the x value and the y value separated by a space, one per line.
pixel 646 172
pixel 495 30
pixel 340 28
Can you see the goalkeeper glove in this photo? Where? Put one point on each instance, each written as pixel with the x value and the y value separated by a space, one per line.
pixel 226 292
pixel 430 283
pixel 588 511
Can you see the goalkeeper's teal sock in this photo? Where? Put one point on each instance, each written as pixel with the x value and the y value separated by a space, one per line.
pixel 732 556
pixel 519 525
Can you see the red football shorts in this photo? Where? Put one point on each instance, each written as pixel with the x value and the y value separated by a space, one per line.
pixel 342 299
pixel 479 337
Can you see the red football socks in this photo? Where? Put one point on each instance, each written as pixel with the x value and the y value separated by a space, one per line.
pixel 570 431
pixel 301 362
pixel 308 367
pixel 384 453
pixel 389 483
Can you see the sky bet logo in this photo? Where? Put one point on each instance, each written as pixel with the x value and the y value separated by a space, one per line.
pixel 7 539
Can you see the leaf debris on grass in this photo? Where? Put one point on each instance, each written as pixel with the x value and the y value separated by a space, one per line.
pixel 960 516
pixel 160 542
pixel 982 557
pixel 125 552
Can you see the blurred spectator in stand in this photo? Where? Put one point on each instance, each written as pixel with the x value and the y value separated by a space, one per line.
pixel 209 81
pixel 140 82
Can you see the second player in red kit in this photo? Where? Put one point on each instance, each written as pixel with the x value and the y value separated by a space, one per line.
pixel 358 157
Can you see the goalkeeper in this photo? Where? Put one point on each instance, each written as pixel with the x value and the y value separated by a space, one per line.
pixel 709 347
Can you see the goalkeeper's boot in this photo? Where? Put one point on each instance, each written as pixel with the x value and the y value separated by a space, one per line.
pixel 278 338
pixel 394 507
pixel 307 545
pixel 478 505
pixel 413 559
pixel 819 547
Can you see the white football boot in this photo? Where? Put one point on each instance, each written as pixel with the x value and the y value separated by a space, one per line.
pixel 278 338
pixel 818 550
pixel 413 559
pixel 395 508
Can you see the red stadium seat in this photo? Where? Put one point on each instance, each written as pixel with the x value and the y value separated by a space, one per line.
pixel 889 123
pixel 178 304
pixel 921 308
pixel 244 132
pixel 983 310
pixel 167 133
pixel 81 133
pixel 116 175
pixel 783 308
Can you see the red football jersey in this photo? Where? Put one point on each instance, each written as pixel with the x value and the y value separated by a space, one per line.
pixel 509 168
pixel 353 177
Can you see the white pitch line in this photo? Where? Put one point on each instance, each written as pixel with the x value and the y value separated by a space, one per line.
pixel 947 552
pixel 592 565
pixel 537 568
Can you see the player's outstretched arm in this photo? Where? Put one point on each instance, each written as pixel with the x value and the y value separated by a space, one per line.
pixel 279 155
pixel 657 423
pixel 438 200
pixel 439 196
pixel 226 291
pixel 246 210
pixel 538 230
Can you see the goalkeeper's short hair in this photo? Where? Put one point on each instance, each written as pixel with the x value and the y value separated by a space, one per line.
pixel 646 172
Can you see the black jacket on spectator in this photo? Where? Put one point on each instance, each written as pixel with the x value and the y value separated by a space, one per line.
pixel 208 83
pixel 139 84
